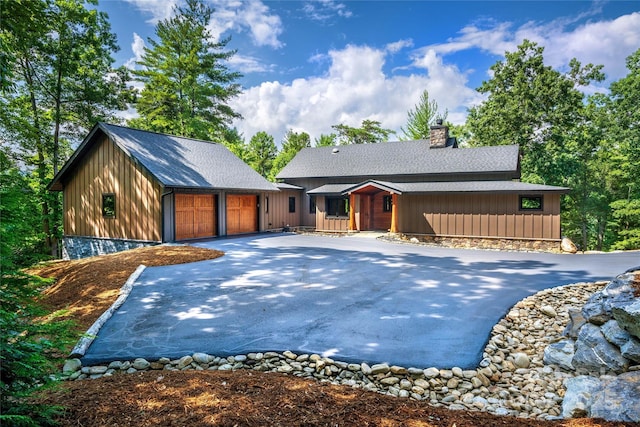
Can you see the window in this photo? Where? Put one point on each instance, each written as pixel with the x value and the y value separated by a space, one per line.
pixel 292 204
pixel 531 203
pixel 266 204
pixel 312 204
pixel 337 206
pixel 108 205
pixel 387 201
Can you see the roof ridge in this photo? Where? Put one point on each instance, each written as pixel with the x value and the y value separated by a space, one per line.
pixel 158 133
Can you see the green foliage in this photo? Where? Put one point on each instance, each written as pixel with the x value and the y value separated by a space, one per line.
pixel 31 340
pixel 58 82
pixel 234 141
pixel 262 153
pixel 326 140
pixel 293 142
pixel 370 132
pixel 626 214
pixel 422 117
pixel 187 84
pixel 532 105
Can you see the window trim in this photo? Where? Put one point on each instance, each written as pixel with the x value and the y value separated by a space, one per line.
pixel 537 197
pixel 338 198
pixel 387 203
pixel 105 208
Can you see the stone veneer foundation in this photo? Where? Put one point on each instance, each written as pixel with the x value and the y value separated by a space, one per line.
pixel 76 247
pixel 484 243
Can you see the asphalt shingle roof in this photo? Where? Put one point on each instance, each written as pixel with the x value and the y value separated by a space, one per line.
pixel 399 158
pixel 183 162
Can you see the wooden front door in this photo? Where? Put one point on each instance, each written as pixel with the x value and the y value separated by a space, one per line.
pixel 195 216
pixel 242 213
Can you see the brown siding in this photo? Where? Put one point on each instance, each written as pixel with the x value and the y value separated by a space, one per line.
pixel 106 169
pixel 276 210
pixel 478 215
pixel 324 223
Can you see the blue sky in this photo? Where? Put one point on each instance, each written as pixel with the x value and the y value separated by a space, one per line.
pixel 309 65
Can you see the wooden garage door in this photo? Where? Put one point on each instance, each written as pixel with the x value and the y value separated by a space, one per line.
pixel 242 213
pixel 195 216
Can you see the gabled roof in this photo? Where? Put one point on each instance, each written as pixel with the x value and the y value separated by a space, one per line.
pixel 400 158
pixel 438 187
pixel 175 161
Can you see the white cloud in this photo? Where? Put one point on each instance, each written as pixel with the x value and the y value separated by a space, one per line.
pixel 248 64
pixel 158 9
pixel 137 47
pixel 325 10
pixel 396 47
pixel 354 88
pixel 606 42
pixel 254 16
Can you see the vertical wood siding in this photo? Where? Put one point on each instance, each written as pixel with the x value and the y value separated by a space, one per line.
pixel 106 169
pixel 277 215
pixel 478 215
pixel 324 223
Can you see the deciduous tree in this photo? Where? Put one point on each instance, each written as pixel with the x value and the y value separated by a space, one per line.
pixel 59 54
pixel 370 132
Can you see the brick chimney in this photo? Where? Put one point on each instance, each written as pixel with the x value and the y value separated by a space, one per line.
pixel 439 135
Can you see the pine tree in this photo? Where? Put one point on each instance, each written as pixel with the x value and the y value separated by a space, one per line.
pixel 187 82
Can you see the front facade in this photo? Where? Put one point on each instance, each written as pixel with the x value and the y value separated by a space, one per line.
pixel 124 188
pixel 429 188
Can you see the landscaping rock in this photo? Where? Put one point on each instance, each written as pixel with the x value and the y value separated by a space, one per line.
pixel 618 398
pixel 568 246
pixel 576 321
pixel 578 397
pixel 141 364
pixel 631 349
pixel 628 317
pixel 71 365
pixel 561 354
pixel 594 352
pixel 614 333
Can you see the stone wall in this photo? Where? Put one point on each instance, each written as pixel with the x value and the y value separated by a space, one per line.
pixel 484 243
pixel 75 247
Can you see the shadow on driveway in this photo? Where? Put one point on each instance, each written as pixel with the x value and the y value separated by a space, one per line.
pixel 349 299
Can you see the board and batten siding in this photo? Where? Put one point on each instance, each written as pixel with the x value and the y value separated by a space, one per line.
pixel 478 215
pixel 276 213
pixel 107 169
pixel 328 223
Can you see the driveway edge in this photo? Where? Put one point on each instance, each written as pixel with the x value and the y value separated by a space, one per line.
pixel 87 339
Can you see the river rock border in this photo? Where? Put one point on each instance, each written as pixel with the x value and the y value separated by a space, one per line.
pixel 510 380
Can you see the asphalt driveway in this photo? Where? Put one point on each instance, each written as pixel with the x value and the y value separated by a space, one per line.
pixel 349 298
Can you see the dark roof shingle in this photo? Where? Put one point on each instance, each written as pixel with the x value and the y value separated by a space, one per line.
pixel 399 158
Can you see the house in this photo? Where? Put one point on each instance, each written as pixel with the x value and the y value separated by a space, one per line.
pixel 427 188
pixel 125 187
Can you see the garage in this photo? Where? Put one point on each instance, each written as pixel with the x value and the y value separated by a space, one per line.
pixel 195 216
pixel 242 213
